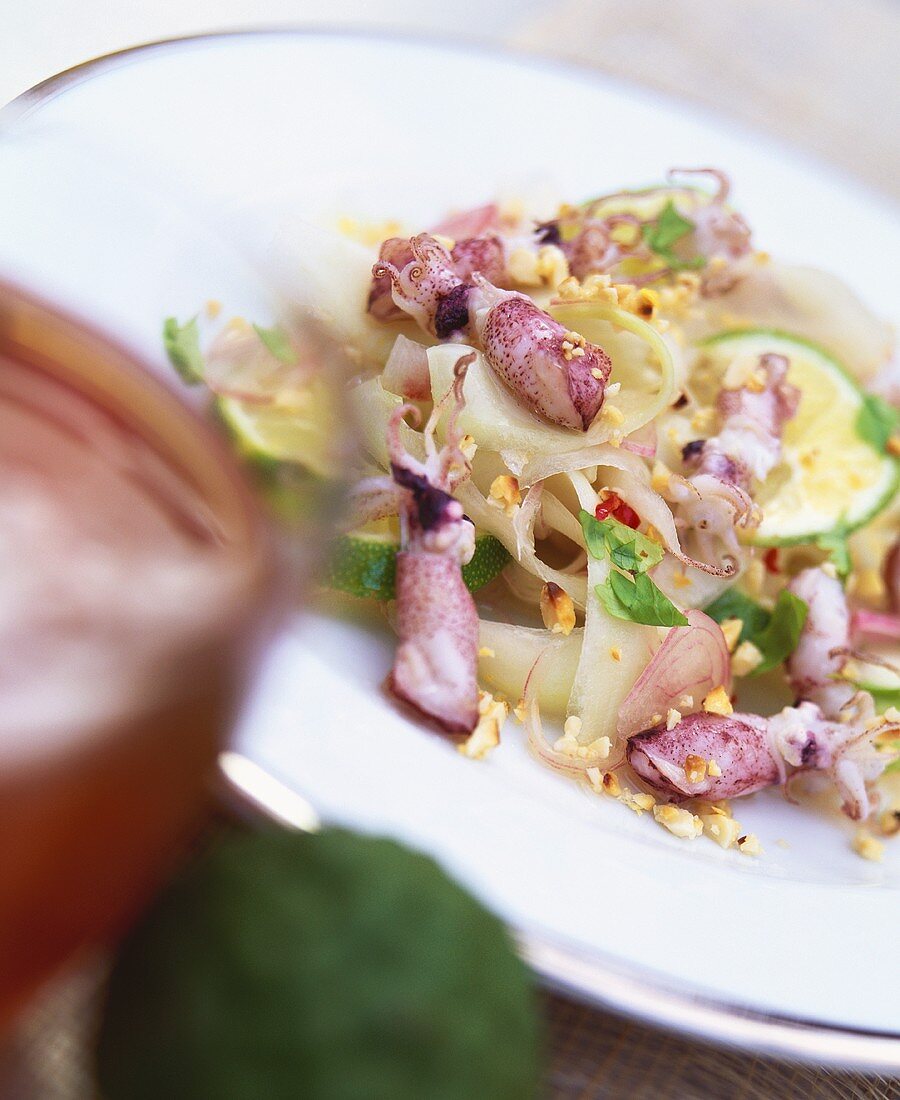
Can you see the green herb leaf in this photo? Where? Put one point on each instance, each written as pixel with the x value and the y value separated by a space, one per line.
pixel 626 548
pixel 782 633
pixel 735 605
pixel 638 600
pixel 877 421
pixel 278 343
pixel 182 344
pixel 662 235
pixel 838 549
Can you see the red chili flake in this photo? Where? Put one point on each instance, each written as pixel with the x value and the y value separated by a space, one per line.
pixel 614 506
pixel 770 560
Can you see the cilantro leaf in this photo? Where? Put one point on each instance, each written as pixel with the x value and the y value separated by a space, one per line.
pixel 182 344
pixel 836 545
pixel 662 235
pixel 735 605
pixel 774 633
pixel 278 343
pixel 782 633
pixel 625 547
pixel 638 600
pixel 877 421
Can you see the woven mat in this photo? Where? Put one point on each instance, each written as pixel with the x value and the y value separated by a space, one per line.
pixel 590 1056
pixel 817 73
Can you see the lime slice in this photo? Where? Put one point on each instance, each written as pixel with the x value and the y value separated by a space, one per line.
pixel 830 480
pixel 364 563
pixel 272 434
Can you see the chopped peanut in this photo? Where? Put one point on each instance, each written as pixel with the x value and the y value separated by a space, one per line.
pixel 673 717
pixel 713 769
pixel 717 702
pixel 731 628
pixel 694 768
pixel 572 726
pixel 746 658
pixel 661 478
pixel 505 491
pixel 724 830
pixel 704 419
pixel 612 414
pixel 557 609
pixel 611 784
pixel 615 653
pixel 522 267
pixel 486 735
pixel 749 845
pixel 680 822
pixel 865 845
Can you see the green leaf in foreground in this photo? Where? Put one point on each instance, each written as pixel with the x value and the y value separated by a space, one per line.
pixel 638 600
pixel 278 343
pixel 182 344
pixel 626 548
pixel 877 421
pixel 285 965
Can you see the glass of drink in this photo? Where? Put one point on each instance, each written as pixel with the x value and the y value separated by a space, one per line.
pixel 137 585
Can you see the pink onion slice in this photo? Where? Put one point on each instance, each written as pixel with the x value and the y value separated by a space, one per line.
pixel 406 370
pixel 693 660
pixel 469 223
pixel 642 442
pixel 876 624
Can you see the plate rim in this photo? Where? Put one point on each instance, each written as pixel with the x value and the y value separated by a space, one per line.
pixel 251 790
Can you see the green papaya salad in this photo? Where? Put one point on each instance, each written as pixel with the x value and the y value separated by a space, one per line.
pixel 620 475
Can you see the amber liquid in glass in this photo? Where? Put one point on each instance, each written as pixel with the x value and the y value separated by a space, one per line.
pixel 134 576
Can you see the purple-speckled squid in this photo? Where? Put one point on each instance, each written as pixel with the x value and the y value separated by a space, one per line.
pixel 436 620
pixel 714 500
pixel 553 371
pixel 832 729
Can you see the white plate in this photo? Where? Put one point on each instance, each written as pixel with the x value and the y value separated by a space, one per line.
pixel 791 952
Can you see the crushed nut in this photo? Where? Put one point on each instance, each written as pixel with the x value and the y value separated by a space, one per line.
pixel 717 702
pixel 680 822
pixel 552 265
pixel 868 584
pixel 612 414
pixel 572 726
pixel 749 844
pixel 704 420
pixel 557 609
pixel 723 829
pixel 672 718
pixel 611 784
pixel 866 845
pixel 615 653
pixel 713 769
pixel 747 657
pixel 486 735
pixel 686 701
pixel 694 768
pixel 519 711
pixel 506 493
pixel 613 388
pixel 643 800
pixel 661 478
pixel 731 628
pixel 522 267
pixel 597 373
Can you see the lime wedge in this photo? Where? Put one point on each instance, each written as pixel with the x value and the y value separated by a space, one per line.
pixel 271 434
pixel 364 563
pixel 830 480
